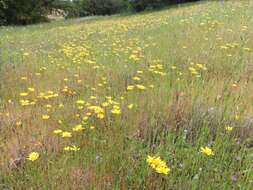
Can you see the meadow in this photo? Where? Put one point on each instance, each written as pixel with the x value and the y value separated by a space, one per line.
pixel 157 100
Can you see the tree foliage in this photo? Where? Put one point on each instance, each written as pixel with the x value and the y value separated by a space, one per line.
pixel 33 11
pixel 97 7
pixel 107 7
pixel 140 5
pixel 102 7
pixel 24 11
pixel 2 16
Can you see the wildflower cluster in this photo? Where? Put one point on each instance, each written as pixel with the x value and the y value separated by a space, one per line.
pixel 159 165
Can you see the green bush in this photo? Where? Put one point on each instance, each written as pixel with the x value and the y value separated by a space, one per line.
pixel 25 11
pixel 108 7
pixel 2 17
pixel 33 11
pixel 71 8
pixel 101 7
pixel 140 5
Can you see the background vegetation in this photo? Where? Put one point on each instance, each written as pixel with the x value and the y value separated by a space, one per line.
pixel 31 11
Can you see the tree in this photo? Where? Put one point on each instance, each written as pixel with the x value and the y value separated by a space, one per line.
pixel 25 11
pixel 101 7
pixel 33 11
pixel 140 5
pixel 2 17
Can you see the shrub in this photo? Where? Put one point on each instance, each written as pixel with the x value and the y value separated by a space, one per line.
pixel 2 17
pixel 24 11
pixel 101 7
pixel 140 5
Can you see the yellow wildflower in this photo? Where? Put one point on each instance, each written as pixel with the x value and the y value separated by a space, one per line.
pixel 130 106
pixel 33 156
pixel 130 87
pixel 66 134
pixel 78 128
pixel 136 78
pixel 85 118
pixel 24 102
pixel 100 116
pixel 18 123
pixel 93 97
pixel 116 111
pixel 45 117
pixel 163 170
pixel 81 102
pixel 158 164
pixel 207 151
pixel 229 129
pixel 23 94
pixel 105 104
pixel 31 89
pixel 141 87
pixel 57 131
pixel 71 148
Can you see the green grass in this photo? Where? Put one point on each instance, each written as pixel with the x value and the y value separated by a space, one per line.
pixel 195 63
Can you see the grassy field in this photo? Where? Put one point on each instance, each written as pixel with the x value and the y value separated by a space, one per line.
pixel 159 100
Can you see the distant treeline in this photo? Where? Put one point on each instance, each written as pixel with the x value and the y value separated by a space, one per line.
pixel 23 12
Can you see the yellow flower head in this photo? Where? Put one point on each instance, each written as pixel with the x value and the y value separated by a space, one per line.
pixel 57 131
pixel 93 97
pixel 80 102
pixel 130 106
pixel 105 104
pixel 18 123
pixel 116 111
pixel 24 102
pixel 78 128
pixel 140 86
pixel 45 117
pixel 163 170
pixel 207 151
pixel 33 156
pixel 137 78
pixel 229 129
pixel 130 87
pixel 173 67
pixel 100 116
pixel 31 89
pixel 158 164
pixel 23 94
pixel 66 134
pixel 71 148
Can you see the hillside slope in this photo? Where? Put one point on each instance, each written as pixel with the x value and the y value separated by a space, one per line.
pixel 159 100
